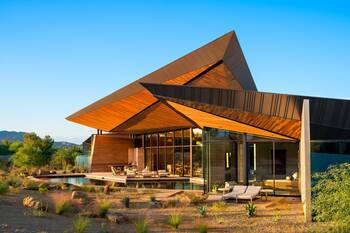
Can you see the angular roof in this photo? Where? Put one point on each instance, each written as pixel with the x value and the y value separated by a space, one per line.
pixel 221 60
pixel 276 113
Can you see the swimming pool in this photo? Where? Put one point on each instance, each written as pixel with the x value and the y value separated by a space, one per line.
pixel 180 185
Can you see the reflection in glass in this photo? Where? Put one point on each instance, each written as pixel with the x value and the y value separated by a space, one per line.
pixel 170 138
pixel 197 161
pixel 178 161
pixel 186 137
pixel 154 166
pixel 148 140
pixel 148 158
pixel 196 137
pixel 162 139
pixel 154 140
pixel 161 163
pixel 178 138
pixel 170 160
pixel 187 161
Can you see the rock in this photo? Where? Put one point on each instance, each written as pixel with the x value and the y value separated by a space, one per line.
pixel 33 203
pixel 155 204
pixel 78 195
pixel 117 218
pixel 106 189
pixel 74 188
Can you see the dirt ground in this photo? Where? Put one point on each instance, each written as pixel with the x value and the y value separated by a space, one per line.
pixel 277 214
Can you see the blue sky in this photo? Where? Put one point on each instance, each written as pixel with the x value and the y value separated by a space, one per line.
pixel 59 56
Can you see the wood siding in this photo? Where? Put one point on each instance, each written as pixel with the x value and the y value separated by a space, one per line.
pixel 109 150
pixel 204 119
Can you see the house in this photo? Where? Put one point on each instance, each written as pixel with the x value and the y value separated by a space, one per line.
pixel 201 116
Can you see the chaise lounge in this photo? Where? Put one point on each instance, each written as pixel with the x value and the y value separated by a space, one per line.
pixel 250 193
pixel 237 190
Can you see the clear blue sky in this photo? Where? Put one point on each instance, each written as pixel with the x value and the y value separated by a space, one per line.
pixel 59 56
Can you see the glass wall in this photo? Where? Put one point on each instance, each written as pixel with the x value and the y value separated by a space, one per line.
pixel 179 151
pixel 272 164
pixel 327 153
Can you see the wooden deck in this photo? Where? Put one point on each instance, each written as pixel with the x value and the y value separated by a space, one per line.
pixel 108 176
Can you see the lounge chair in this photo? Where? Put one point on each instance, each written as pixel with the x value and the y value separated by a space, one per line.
pixel 115 172
pixel 249 194
pixel 146 173
pixel 237 190
pixel 130 174
pixel 162 173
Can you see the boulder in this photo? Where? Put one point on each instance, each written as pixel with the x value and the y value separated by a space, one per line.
pixel 117 218
pixel 106 189
pixel 78 195
pixel 31 202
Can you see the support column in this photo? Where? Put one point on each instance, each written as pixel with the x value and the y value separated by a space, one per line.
pixel 245 160
pixel 305 161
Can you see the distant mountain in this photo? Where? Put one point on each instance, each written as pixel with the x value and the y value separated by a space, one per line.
pixel 63 144
pixel 11 135
pixel 18 136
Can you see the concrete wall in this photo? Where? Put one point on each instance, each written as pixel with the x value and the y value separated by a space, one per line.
pixel 107 150
pixel 305 163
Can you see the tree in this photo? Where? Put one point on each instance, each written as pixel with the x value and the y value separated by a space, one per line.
pixel 28 156
pixel 14 147
pixel 65 156
pixel 34 152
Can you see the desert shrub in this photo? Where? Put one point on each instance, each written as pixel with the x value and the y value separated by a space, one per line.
pixel 61 186
pixel 330 194
pixel 88 188
pixel 14 181
pixel 4 187
pixel 219 206
pixel 141 225
pixel 214 188
pixel 202 228
pixel 276 216
pixel 30 185
pixel 43 188
pixel 173 202
pixel 174 220
pixel 38 213
pixel 152 199
pixel 102 208
pixel 80 224
pixel 196 200
pixel 126 202
pixel 219 219
pixel 250 209
pixel 202 210
pixel 329 227
pixel 61 206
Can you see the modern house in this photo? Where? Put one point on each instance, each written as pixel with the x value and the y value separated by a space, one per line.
pixel 201 116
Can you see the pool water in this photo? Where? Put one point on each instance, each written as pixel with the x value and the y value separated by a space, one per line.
pixel 180 185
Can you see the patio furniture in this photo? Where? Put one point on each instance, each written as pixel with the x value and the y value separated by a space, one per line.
pixel 228 186
pixel 237 190
pixel 130 174
pixel 115 172
pixel 146 173
pixel 250 193
pixel 162 173
pixel 266 192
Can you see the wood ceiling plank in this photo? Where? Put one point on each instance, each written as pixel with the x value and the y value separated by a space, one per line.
pixel 205 119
